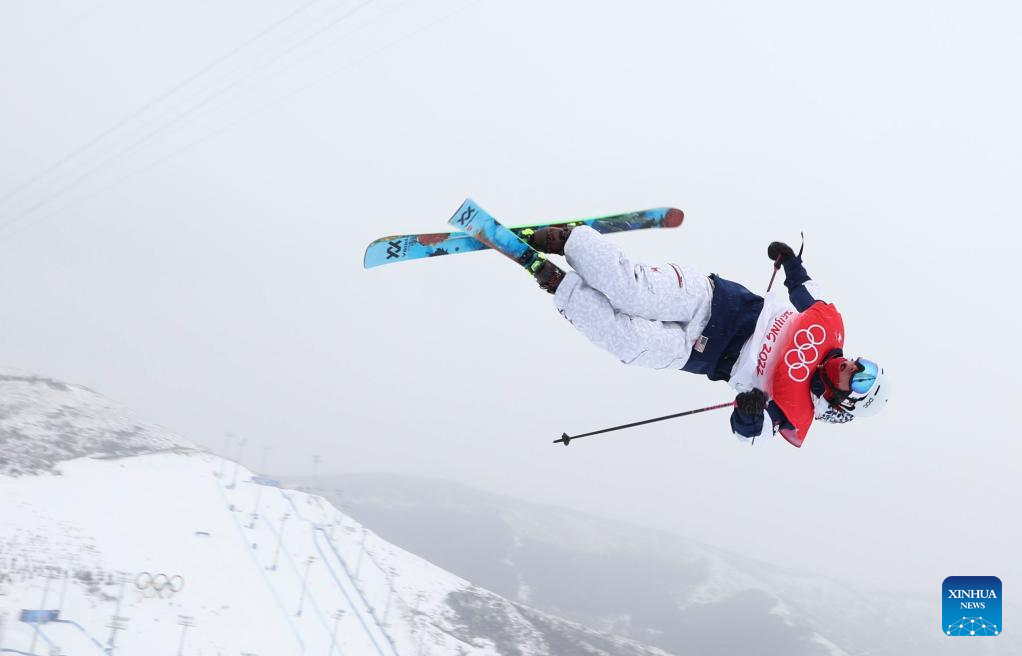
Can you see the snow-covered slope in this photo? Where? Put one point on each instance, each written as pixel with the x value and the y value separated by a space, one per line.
pixel 658 588
pixel 118 537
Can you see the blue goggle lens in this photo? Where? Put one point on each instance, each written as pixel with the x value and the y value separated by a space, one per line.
pixel 862 381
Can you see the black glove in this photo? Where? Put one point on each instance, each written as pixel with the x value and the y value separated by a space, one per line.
pixel 751 403
pixel 778 249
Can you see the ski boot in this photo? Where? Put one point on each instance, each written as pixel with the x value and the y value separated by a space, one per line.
pixel 550 239
pixel 548 275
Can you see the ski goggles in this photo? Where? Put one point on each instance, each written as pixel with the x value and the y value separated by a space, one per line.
pixel 863 379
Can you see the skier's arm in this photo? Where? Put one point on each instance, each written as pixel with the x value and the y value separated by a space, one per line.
pixel 747 418
pixel 748 426
pixel 802 290
pixel 777 417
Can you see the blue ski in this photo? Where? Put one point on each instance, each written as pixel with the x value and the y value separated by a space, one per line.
pixel 479 223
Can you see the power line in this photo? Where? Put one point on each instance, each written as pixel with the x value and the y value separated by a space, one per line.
pixel 83 14
pixel 218 131
pixel 138 143
pixel 131 116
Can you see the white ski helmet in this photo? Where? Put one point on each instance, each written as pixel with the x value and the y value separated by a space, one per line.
pixel 870 390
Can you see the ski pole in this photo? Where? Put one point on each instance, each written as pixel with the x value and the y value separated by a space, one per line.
pixel 777 262
pixel 777 265
pixel 565 439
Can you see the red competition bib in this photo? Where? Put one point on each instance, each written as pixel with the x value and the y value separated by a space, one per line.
pixel 813 334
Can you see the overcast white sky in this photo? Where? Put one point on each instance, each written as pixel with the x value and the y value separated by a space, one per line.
pixel 200 257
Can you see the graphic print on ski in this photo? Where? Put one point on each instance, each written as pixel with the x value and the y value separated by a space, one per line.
pixel 399 248
pixel 480 224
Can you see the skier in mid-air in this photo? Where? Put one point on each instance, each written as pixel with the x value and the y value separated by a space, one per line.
pixel 784 360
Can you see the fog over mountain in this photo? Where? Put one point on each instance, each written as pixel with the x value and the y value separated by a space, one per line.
pixel 655 587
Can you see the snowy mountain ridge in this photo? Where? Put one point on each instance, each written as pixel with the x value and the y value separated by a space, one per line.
pixel 45 421
pixel 117 537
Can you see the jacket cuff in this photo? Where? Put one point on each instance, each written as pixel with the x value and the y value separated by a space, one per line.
pixel 746 425
pixel 794 273
pixel 564 290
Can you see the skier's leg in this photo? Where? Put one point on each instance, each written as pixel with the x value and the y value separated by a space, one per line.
pixel 633 340
pixel 666 292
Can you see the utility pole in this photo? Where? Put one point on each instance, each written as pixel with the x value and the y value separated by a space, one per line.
pixel 184 621
pixel 42 606
pixel 305 583
pixel 255 508
pixel 280 539
pixel 259 489
pixel 223 458
pixel 337 621
pixel 46 590
pixel 237 463
pixel 117 623
pixel 63 591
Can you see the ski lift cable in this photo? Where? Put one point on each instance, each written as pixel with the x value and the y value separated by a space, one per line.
pixel 272 57
pixel 45 42
pixel 224 101
pixel 73 175
pixel 386 12
pixel 9 230
pixel 139 143
pixel 144 108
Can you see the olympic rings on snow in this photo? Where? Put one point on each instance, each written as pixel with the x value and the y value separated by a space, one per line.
pixel 160 584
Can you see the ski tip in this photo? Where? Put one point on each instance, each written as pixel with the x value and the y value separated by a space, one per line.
pixel 368 261
pixel 372 257
pixel 674 218
pixel 463 217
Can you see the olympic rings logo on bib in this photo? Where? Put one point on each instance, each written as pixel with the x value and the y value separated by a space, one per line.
pixel 805 353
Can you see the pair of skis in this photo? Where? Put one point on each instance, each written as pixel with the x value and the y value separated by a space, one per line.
pixel 401 248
